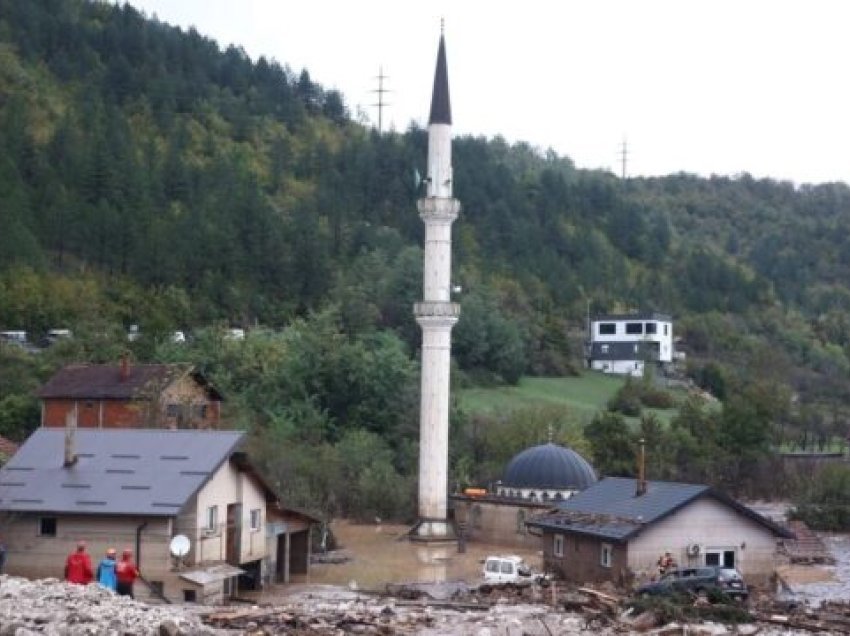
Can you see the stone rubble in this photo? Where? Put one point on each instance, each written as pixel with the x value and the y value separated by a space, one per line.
pixel 56 608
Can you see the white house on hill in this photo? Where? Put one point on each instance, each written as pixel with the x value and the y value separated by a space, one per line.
pixel 626 343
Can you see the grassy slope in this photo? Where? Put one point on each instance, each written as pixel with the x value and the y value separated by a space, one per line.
pixel 584 395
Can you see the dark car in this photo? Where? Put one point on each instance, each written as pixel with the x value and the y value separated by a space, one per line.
pixel 699 581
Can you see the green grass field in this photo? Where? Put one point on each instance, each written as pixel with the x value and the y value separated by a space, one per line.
pixel 584 395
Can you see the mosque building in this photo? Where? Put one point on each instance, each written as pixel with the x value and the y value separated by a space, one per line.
pixel 533 482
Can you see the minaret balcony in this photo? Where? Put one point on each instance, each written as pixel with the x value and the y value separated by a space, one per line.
pixel 438 209
pixel 436 309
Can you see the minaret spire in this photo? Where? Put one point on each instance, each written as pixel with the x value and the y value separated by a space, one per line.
pixel 436 315
pixel 441 108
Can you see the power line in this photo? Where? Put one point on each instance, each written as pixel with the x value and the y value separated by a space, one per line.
pixel 381 91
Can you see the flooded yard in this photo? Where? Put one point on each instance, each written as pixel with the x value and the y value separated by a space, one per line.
pixel 381 554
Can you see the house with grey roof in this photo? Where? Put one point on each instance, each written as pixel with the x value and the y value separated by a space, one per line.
pixel 140 489
pixel 626 344
pixel 617 529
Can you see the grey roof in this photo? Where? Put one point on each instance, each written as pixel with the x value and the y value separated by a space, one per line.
pixel 646 350
pixel 610 509
pixel 150 472
pixel 441 109
pixel 548 466
pixel 641 315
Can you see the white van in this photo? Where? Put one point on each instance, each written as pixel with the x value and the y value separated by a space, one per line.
pixel 510 569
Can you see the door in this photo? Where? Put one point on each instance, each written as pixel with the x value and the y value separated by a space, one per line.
pixel 234 533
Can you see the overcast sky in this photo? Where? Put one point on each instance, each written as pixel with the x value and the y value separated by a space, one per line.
pixel 702 86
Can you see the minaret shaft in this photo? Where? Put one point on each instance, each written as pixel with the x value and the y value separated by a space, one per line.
pixel 436 315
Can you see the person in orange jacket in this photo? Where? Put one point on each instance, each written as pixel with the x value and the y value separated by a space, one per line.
pixel 78 566
pixel 126 573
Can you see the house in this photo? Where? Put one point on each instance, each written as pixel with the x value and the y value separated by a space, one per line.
pixel 618 528
pixel 625 343
pixel 532 482
pixel 130 396
pixel 141 488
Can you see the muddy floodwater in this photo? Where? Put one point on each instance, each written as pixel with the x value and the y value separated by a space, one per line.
pixel 381 554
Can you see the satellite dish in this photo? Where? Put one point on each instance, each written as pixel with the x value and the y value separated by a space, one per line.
pixel 179 545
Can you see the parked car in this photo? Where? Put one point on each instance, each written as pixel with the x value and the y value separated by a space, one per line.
pixel 511 569
pixel 701 580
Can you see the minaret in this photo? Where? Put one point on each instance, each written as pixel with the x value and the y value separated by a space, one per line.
pixel 436 314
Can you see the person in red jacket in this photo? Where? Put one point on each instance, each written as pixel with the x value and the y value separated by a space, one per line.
pixel 78 566
pixel 126 573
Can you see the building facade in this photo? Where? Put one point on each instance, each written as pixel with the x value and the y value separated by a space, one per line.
pixel 533 481
pixel 616 531
pixel 626 344
pixel 139 489
pixel 130 396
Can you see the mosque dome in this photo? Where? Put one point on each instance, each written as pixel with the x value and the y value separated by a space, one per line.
pixel 548 466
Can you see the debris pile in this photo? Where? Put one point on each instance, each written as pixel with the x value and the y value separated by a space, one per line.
pixel 53 607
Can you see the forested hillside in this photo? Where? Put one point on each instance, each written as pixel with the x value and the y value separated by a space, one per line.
pixel 148 177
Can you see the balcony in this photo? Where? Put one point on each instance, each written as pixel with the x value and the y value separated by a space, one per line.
pixel 436 309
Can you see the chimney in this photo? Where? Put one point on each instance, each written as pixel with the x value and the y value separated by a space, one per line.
pixel 71 438
pixel 125 368
pixel 640 486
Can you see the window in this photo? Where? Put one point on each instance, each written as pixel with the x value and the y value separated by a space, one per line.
pixel 212 518
pixel 634 328
pixel 172 410
pixel 558 545
pixel 605 555
pixel 492 565
pixel 190 596
pixel 651 328
pixel 665 329
pixel 507 567
pixel 603 348
pixel 47 527
pixel 200 411
pixel 607 328
pixel 256 517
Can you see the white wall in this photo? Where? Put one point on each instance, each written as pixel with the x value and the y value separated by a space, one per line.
pixel 619 367
pixel 229 486
pixel 710 524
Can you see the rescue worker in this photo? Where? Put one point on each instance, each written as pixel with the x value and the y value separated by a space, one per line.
pixel 125 574
pixel 665 563
pixel 78 566
pixel 106 571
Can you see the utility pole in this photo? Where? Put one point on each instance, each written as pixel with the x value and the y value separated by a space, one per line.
pixel 624 157
pixel 381 91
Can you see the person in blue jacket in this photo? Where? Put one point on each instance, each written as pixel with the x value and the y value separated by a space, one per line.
pixel 106 571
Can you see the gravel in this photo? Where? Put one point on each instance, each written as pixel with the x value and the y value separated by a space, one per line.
pixel 55 608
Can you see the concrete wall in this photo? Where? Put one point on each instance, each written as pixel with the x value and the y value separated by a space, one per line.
pixel 713 526
pixel 619 367
pixel 497 522
pixel 34 556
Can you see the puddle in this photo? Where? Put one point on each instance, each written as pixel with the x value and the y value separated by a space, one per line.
pixel 381 554
pixel 837 589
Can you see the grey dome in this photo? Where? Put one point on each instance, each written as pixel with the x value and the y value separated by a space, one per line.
pixel 549 466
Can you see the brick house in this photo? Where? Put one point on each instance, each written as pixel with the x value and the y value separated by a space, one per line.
pixel 130 396
pixel 139 489
pixel 618 528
